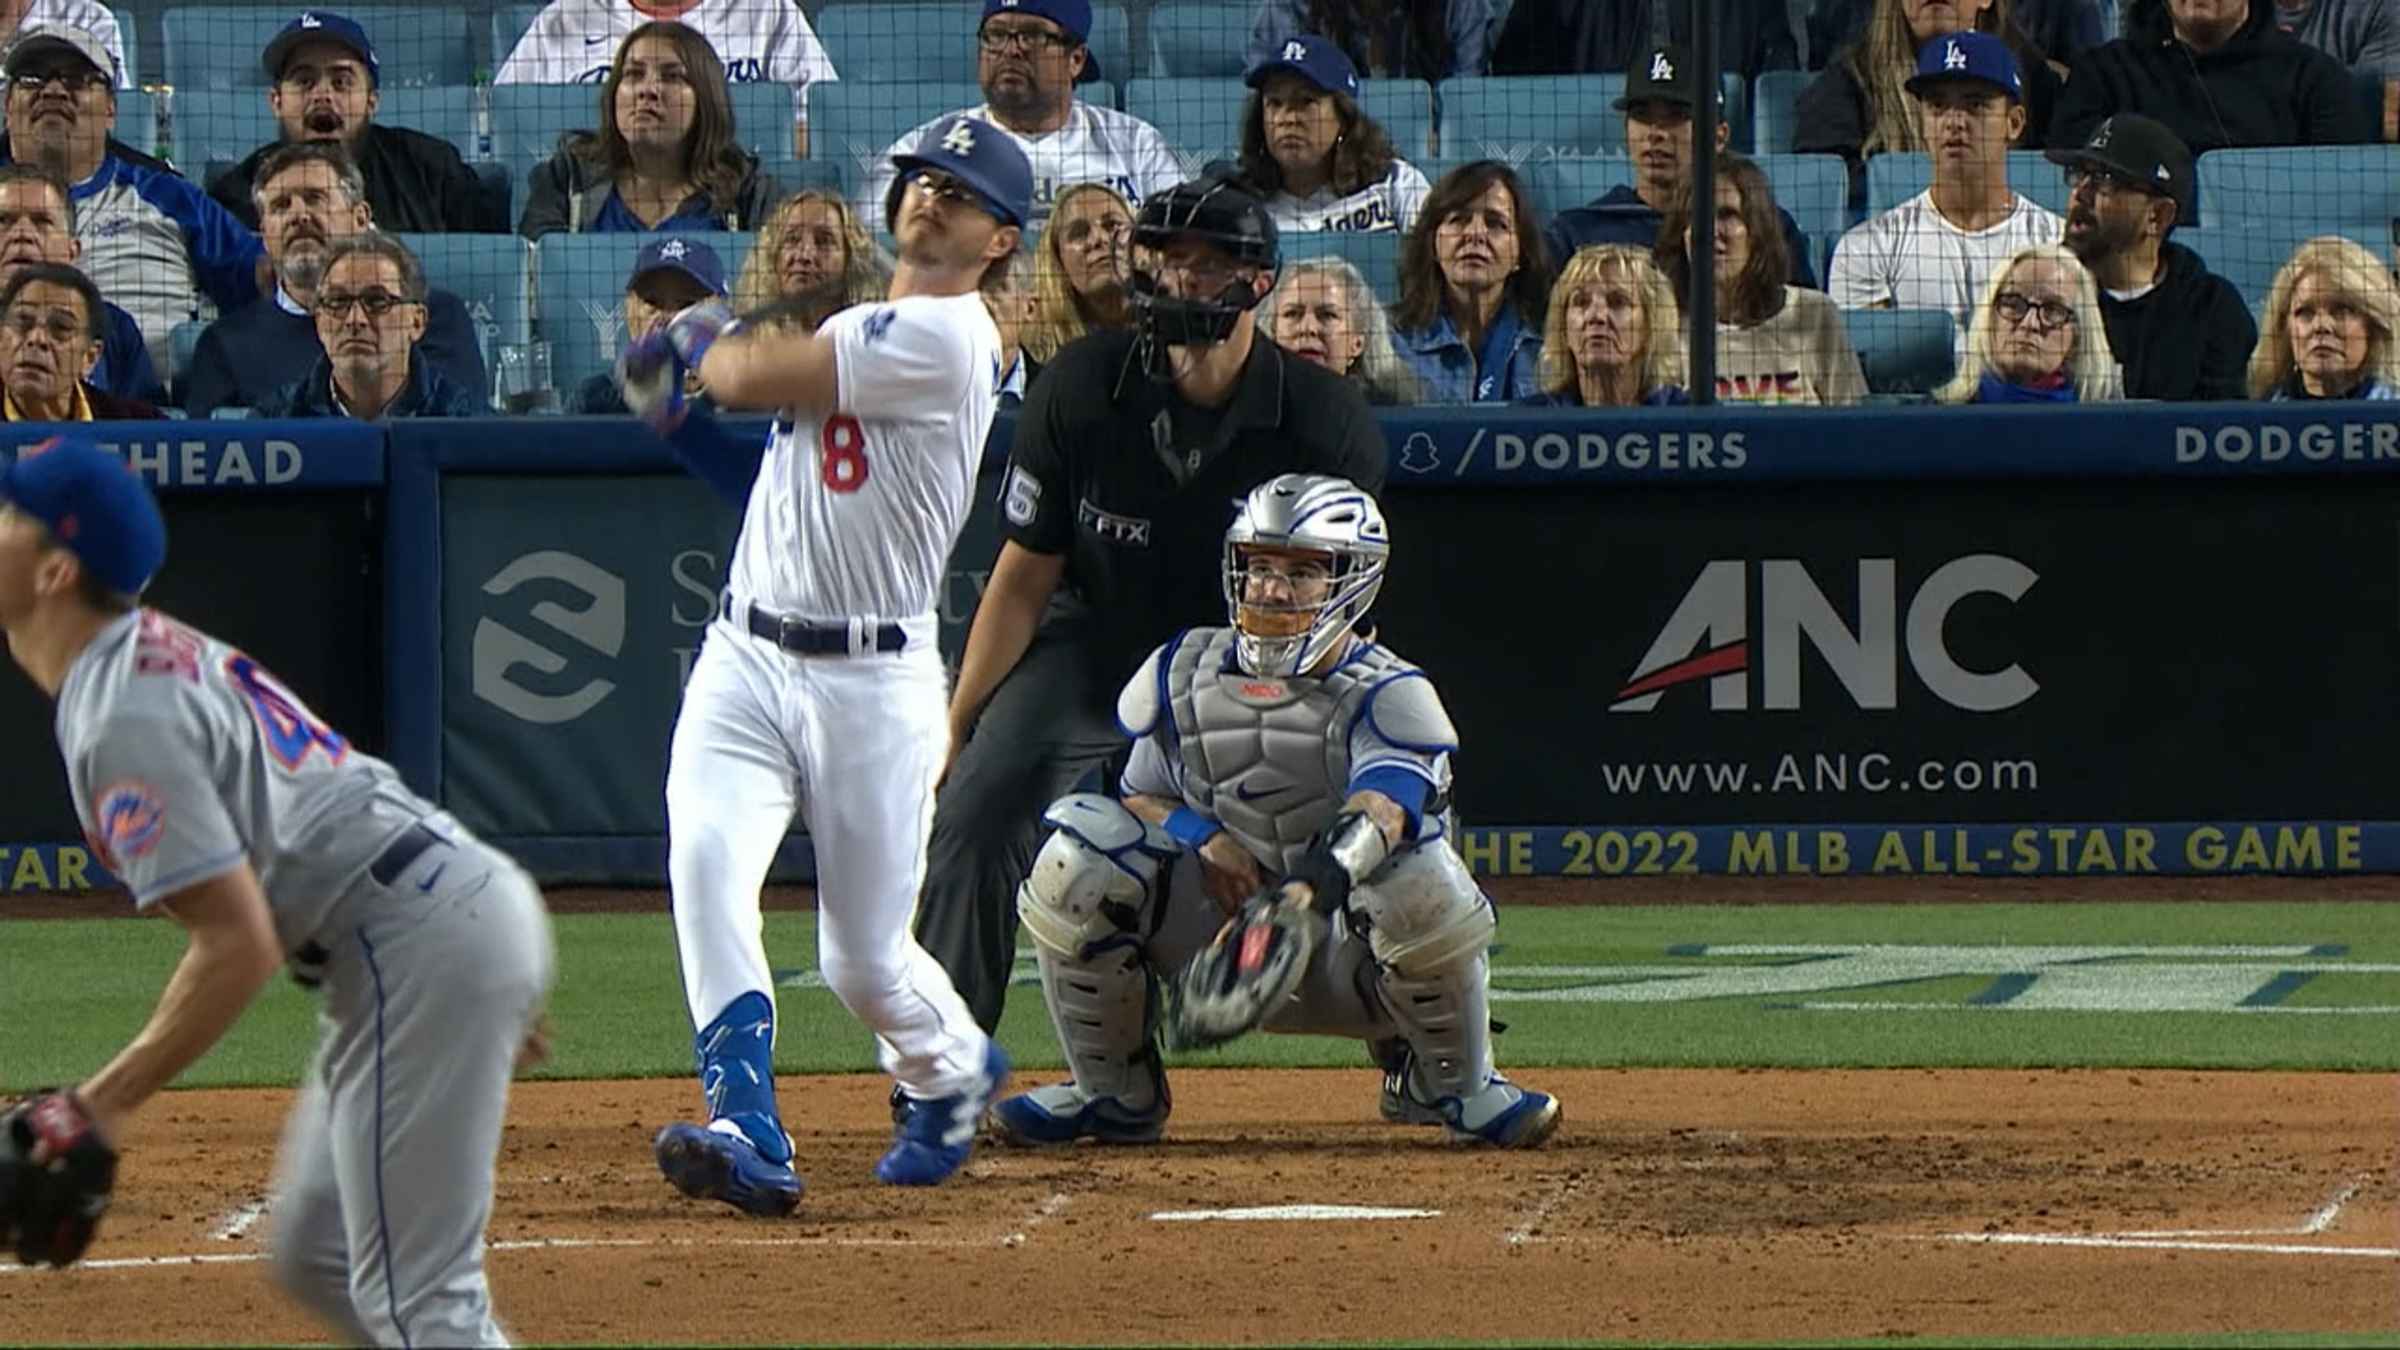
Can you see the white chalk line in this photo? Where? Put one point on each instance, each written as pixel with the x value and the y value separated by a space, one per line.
pixel 533 1244
pixel 2319 1221
pixel 236 1222
pixel 1046 1210
pixel 1522 1234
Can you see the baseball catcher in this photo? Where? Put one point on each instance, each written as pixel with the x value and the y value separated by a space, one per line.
pixel 1296 777
pixel 56 1173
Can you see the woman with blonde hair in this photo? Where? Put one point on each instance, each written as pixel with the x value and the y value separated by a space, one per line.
pixel 814 255
pixel 2328 327
pixel 666 157
pixel 1859 106
pixel 1323 311
pixel 1080 269
pixel 2037 337
pixel 1614 336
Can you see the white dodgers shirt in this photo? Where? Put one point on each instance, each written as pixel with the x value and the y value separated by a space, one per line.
pixel 575 42
pixel 1391 204
pixel 853 514
pixel 1097 145
pixel 1912 257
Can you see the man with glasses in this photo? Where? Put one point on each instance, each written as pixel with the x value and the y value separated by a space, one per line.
pixel 370 312
pixel 152 240
pixel 310 198
pixel 2179 330
pixel 50 335
pixel 1130 453
pixel 1030 55
pixel 324 85
pixel 1940 248
pixel 37 225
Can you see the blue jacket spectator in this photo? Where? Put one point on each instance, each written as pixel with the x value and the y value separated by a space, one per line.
pixel 247 355
pixel 1423 41
pixel 152 240
pixel 370 312
pixel 428 393
pixel 1473 278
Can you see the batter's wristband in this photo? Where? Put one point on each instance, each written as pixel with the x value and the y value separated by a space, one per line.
pixel 1189 828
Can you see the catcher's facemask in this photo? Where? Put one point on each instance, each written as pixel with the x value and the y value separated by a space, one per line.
pixel 1304 560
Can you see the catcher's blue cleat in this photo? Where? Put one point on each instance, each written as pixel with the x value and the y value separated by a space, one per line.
pixel 1061 1114
pixel 933 1140
pixel 710 1164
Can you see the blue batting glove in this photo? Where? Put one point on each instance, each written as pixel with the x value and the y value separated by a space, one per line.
pixel 650 375
pixel 696 327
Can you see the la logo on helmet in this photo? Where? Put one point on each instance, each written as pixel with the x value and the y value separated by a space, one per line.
pixel 961 140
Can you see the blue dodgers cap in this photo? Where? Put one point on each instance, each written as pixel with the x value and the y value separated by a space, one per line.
pixel 1313 59
pixel 1075 16
pixel 320 25
pixel 679 254
pixel 976 153
pixel 1968 56
pixel 94 505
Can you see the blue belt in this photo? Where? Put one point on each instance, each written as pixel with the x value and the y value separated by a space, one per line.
pixel 802 638
pixel 408 846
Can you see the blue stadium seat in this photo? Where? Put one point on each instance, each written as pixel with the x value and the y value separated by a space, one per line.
pixel 2348 189
pixel 2249 253
pixel 1814 188
pixel 218 46
pixel 580 285
pixel 1774 109
pixel 1200 117
pixel 1894 178
pixel 762 115
pixel 790 175
pixel 217 127
pixel 509 23
pixel 936 41
pixel 1376 256
pixel 1513 117
pixel 1560 184
pixel 852 122
pixel 125 36
pixel 528 119
pixel 1195 39
pixel 447 112
pixel 1903 351
pixel 1404 108
pixel 491 273
pixel 137 120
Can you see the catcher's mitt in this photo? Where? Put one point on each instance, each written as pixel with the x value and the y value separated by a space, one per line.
pixel 1249 971
pixel 55 1176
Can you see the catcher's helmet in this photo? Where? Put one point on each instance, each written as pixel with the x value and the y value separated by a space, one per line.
pixel 976 153
pixel 1213 209
pixel 1312 513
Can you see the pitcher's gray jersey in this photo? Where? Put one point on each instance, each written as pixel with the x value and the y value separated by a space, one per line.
pixel 1273 759
pixel 186 757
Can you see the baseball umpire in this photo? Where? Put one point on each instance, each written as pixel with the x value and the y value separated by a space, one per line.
pixel 1131 453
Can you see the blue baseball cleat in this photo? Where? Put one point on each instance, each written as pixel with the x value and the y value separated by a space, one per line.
pixel 1501 1115
pixel 1062 1114
pixel 710 1164
pixel 933 1140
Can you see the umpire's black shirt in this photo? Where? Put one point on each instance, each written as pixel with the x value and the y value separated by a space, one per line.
pixel 1136 486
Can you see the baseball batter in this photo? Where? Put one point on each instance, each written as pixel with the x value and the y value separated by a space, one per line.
pixel 819 687
pixel 1280 753
pixel 220 800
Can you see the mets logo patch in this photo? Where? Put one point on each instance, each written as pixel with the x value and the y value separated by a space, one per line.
pixel 131 820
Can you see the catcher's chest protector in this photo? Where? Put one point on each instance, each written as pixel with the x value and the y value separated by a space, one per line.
pixel 1267 757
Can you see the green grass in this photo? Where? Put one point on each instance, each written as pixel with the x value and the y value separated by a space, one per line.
pixel 72 991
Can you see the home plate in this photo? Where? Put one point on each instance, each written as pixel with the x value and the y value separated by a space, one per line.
pixel 1290 1212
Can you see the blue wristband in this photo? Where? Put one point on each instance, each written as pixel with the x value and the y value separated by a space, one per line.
pixel 1190 828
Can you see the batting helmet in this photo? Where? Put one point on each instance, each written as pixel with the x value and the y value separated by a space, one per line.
pixel 976 153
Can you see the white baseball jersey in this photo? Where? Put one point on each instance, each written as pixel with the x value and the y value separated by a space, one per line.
pixel 853 514
pixel 185 758
pixel 575 41
pixel 1388 205
pixel 95 19
pixel 1912 257
pixel 1097 145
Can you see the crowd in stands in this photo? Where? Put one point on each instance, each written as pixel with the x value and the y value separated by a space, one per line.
pixel 287 286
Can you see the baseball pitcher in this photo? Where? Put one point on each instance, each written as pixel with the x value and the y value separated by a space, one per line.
pixel 1295 776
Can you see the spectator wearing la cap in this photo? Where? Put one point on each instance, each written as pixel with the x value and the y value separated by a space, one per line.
pixel 1314 156
pixel 1940 248
pixel 1030 56
pixel 324 84
pixel 668 276
pixel 1660 97
pixel 2179 330
pixel 99 20
pixel 152 240
pixel 2218 73
pixel 1859 107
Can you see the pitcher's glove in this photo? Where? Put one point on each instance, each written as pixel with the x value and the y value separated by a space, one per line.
pixel 652 370
pixel 56 1173
pixel 1252 969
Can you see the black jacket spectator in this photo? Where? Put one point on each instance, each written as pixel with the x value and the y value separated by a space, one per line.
pixel 245 357
pixel 416 184
pixel 428 394
pixel 2263 87
pixel 1622 217
pixel 125 369
pixel 567 192
pixel 1574 37
pixel 2188 337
